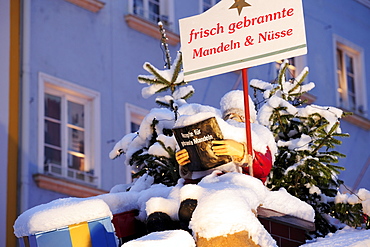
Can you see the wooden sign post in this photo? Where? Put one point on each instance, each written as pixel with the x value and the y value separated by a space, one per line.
pixel 239 34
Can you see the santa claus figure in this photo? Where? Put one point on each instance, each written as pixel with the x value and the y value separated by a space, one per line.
pixel 232 109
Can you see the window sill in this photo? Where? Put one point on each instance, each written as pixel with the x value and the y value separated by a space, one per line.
pixel 66 187
pixel 91 5
pixel 150 29
pixel 353 119
pixel 358 121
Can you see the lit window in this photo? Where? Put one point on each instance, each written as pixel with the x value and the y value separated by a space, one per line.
pixel 153 10
pixel 350 81
pixel 68 130
pixel 207 4
pixel 291 70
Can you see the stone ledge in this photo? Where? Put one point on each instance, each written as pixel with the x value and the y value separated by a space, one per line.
pixel 354 119
pixel 65 186
pixel 150 29
pixel 91 5
pixel 358 121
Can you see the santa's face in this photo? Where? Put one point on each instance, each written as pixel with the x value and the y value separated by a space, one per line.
pixel 235 117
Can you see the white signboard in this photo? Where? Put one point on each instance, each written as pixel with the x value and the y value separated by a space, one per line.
pixel 237 34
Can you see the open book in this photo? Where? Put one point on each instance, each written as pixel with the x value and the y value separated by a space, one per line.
pixel 197 140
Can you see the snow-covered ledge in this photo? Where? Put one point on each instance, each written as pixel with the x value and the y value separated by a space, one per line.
pixel 65 186
pixel 287 230
pixel 150 29
pixel 92 5
pixel 287 219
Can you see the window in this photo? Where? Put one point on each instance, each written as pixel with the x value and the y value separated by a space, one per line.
pixel 143 16
pixel 290 71
pixel 68 131
pixel 134 117
pixel 296 65
pixel 350 82
pixel 207 4
pixel 148 9
pixel 153 11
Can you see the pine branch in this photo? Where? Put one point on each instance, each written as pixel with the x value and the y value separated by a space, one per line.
pixel 148 80
pixel 160 103
pixel 188 95
pixel 282 73
pixel 163 89
pixel 335 126
pixel 177 69
pixel 156 74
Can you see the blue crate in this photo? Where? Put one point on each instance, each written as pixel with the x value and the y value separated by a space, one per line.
pixel 95 233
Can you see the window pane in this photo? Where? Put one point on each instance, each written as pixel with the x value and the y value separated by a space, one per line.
pixel 52 133
pixel 76 140
pixel 52 106
pixel 52 156
pixel 339 59
pixel 351 84
pixel 340 75
pixel 75 114
pixel 352 102
pixel 76 163
pixel 139 7
pixel 349 64
pixel 134 127
pixel 154 10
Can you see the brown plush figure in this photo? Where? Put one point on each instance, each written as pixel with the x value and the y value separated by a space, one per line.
pixel 239 239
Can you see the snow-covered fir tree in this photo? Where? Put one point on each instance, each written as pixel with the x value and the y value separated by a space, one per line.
pixel 306 136
pixel 151 150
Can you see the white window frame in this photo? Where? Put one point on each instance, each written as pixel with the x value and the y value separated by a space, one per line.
pixel 91 100
pixel 356 53
pixel 166 8
pixel 134 114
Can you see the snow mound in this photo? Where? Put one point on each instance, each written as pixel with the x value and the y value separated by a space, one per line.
pixel 228 204
pixel 60 213
pixel 347 237
pixel 178 238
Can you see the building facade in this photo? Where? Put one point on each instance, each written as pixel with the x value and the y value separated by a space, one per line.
pixel 70 88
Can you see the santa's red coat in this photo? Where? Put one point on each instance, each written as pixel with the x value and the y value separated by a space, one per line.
pixel 262 164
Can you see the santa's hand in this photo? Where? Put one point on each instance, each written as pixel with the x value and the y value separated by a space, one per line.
pixel 182 157
pixel 228 147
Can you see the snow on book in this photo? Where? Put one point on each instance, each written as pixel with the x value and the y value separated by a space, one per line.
pixel 197 140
